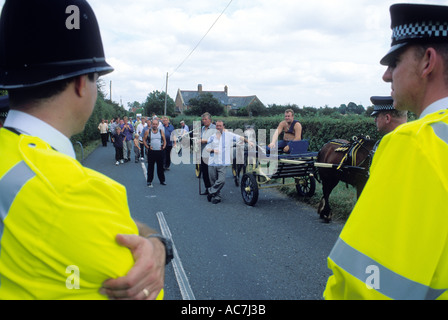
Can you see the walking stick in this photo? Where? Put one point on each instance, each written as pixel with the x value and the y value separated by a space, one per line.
pixel 199 178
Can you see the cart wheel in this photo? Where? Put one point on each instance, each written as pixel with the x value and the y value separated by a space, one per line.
pixel 249 189
pixel 306 186
pixel 198 170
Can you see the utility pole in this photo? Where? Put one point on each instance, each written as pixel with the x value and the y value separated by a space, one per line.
pixel 110 90
pixel 166 91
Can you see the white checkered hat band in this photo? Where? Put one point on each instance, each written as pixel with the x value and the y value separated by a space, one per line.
pixel 420 30
pixel 384 107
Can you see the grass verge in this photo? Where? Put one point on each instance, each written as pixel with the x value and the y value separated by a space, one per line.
pixel 88 148
pixel 342 199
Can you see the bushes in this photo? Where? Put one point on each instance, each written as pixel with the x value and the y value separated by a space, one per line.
pixel 317 129
pixel 103 110
pixel 323 129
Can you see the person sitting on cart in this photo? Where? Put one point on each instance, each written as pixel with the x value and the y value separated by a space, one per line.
pixel 291 129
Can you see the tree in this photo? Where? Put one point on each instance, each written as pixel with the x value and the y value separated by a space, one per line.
pixel 155 103
pixel 205 103
pixel 104 109
pixel 354 108
pixel 134 105
pixel 257 109
pixel 342 109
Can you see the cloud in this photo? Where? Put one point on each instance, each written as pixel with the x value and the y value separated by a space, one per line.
pixel 282 51
pixel 309 53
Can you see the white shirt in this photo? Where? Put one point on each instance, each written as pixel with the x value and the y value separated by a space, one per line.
pixel 139 131
pixel 435 106
pixel 224 144
pixel 32 126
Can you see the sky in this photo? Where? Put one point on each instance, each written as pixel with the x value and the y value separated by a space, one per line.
pixel 308 53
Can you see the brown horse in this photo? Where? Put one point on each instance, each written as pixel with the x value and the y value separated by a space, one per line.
pixel 340 160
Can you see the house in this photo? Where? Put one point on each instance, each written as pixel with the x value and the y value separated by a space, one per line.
pixel 231 103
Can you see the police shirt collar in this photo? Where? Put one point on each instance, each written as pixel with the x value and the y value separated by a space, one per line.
pixel 435 106
pixel 30 125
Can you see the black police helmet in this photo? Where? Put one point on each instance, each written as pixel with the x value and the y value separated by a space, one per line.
pixel 48 40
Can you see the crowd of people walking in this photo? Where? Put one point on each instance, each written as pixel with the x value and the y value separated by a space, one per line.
pixel 152 137
pixel 148 137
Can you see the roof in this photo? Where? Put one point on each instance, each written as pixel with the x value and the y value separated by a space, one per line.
pixel 221 96
pixel 240 102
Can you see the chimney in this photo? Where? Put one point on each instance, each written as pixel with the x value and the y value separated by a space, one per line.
pixel 200 88
pixel 226 90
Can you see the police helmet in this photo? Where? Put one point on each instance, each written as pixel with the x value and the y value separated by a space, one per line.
pixel 48 40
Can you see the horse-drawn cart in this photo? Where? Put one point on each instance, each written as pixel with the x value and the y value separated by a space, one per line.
pixel 338 160
pixel 262 171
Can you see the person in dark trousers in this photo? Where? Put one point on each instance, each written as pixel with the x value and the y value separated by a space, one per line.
pixel 155 142
pixel 168 128
pixel 117 140
pixel 207 130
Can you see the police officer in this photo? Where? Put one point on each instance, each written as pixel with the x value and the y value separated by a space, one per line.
pixel 4 108
pixel 395 243
pixel 60 220
pixel 387 118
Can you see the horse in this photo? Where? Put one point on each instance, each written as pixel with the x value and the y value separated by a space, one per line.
pixel 341 160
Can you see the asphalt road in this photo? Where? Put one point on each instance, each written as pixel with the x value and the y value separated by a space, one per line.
pixel 275 250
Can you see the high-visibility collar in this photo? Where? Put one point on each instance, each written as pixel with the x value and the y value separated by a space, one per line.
pixel 32 126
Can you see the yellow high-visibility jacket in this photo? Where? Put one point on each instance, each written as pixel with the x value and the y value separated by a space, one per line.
pixel 58 223
pixel 395 243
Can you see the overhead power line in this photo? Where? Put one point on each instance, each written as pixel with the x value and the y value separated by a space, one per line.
pixel 197 45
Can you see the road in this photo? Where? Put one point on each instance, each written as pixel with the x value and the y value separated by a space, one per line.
pixel 275 250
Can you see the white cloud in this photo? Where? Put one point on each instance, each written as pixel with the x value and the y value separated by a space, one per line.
pixel 312 53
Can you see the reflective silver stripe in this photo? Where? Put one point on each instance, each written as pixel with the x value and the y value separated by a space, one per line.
pixel 10 185
pixel 441 130
pixel 391 284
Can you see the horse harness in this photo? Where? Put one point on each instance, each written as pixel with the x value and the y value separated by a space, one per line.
pixel 351 151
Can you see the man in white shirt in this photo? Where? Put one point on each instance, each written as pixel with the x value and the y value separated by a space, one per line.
pixel 139 130
pixel 103 127
pixel 220 147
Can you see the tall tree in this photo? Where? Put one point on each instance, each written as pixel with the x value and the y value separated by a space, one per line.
pixel 205 103
pixel 155 103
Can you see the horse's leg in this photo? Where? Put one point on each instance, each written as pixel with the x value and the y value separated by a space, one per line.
pixel 324 209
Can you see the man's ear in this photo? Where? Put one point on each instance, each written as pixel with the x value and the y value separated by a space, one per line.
pixel 81 85
pixel 428 62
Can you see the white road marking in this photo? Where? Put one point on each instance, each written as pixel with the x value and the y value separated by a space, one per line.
pixel 182 280
pixel 145 172
pixel 181 277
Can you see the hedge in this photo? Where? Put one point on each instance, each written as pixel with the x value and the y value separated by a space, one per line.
pixel 317 129
pixel 103 110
